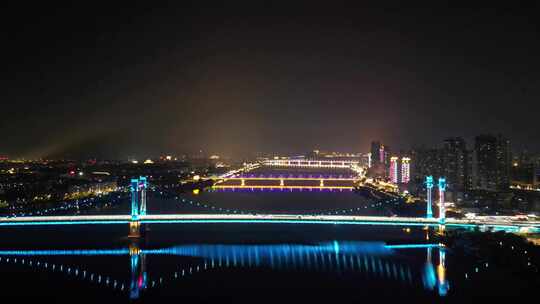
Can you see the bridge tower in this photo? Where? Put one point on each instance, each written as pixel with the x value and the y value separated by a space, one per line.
pixel 429 187
pixel 143 184
pixel 138 189
pixel 442 189
pixel 134 199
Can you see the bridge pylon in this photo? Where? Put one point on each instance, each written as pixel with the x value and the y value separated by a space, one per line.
pixel 143 185
pixel 138 189
pixel 442 190
pixel 134 188
pixel 429 188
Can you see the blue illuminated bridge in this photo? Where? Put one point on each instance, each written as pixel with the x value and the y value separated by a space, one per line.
pixel 139 216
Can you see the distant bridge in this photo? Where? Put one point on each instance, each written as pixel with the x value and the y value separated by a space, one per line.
pixel 284 187
pixel 306 163
pixel 291 178
pixel 323 182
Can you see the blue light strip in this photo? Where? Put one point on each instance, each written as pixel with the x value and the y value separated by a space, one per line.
pixel 509 228
pixel 276 221
pixel 81 252
pixel 266 221
pixel 413 246
pixel 47 223
pixel 202 250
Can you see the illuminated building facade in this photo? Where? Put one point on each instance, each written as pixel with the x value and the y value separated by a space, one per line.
pixel 393 173
pixel 405 170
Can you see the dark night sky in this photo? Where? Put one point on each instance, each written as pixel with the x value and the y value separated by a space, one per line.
pixel 113 81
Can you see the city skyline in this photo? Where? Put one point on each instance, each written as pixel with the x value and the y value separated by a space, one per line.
pixel 145 80
pixel 269 152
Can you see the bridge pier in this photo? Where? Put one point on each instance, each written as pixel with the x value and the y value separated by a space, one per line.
pixel 134 229
pixel 281 182
pixel 322 183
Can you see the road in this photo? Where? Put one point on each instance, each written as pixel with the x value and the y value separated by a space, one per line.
pixel 501 223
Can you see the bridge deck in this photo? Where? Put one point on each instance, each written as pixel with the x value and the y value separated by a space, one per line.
pixel 266 218
pixel 284 187
pixel 285 178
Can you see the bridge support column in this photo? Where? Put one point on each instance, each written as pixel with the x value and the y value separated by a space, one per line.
pixel 322 183
pixel 243 182
pixel 429 187
pixel 143 185
pixel 134 229
pixel 281 182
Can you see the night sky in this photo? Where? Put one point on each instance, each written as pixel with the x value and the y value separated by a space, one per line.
pixel 138 80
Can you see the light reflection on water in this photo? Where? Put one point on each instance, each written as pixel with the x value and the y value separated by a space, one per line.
pixel 376 259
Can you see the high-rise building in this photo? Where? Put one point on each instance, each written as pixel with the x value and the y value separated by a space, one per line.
pixel 382 155
pixel 455 163
pixel 405 170
pixel 376 152
pixel 426 162
pixel 379 160
pixel 393 172
pixel 493 160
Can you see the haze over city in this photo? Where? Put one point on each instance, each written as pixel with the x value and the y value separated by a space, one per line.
pixel 234 79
